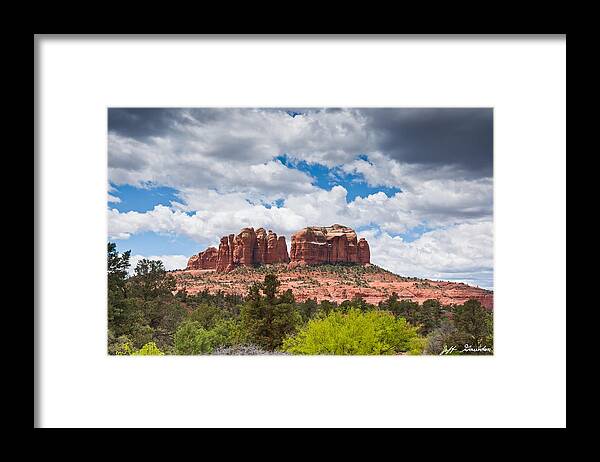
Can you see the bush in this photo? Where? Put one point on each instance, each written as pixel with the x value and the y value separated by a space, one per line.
pixel 149 349
pixel 356 333
pixel 192 338
pixel 207 315
pixel 117 345
pixel 266 325
pixel 441 338
pixel 469 331
pixel 474 324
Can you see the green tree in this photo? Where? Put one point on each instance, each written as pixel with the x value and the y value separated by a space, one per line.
pixel 359 302
pixel 442 338
pixel 207 315
pixel 408 310
pixel 284 320
pixel 356 333
pixel 308 309
pixel 192 339
pixel 474 324
pixel 254 294
pixel 266 325
pixel 404 308
pixel 391 303
pixel 429 316
pixel 116 344
pixel 143 307
pixel 266 321
pixel 228 333
pixel 270 285
pixel 118 265
pixel 326 307
pixel 151 280
pixel 287 297
pixel 140 334
pixel 166 315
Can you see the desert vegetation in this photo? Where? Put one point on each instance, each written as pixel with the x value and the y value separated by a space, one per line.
pixel 147 315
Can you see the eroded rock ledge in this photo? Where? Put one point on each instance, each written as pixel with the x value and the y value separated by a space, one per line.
pixel 328 244
pixel 248 248
pixel 310 246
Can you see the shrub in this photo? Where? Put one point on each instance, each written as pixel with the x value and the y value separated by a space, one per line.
pixel 474 324
pixel 207 315
pixel 192 338
pixel 441 338
pixel 149 349
pixel 117 345
pixel 430 316
pixel 267 325
pixel 356 333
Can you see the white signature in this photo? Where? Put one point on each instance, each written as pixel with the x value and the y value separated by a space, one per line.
pixel 467 348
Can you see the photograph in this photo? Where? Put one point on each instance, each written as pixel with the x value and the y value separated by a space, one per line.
pixel 296 231
pixel 300 231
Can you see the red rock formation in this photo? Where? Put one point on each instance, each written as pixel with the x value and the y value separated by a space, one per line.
pixel 281 252
pixel 243 247
pixel 260 254
pixel 248 248
pixel 364 253
pixel 331 244
pixel 204 260
pixel 225 254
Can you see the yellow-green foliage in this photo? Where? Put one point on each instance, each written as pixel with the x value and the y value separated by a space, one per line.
pixel 356 333
pixel 193 339
pixel 149 349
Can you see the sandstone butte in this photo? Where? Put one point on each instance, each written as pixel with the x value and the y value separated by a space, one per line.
pixel 327 263
pixel 331 244
pixel 248 248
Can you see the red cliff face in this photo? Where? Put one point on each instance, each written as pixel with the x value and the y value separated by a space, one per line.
pixel 269 248
pixel 225 254
pixel 331 244
pixel 248 248
pixel 204 260
pixel 364 253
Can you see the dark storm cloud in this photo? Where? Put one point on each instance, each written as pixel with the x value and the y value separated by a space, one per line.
pixel 428 138
pixel 140 123
pixel 433 137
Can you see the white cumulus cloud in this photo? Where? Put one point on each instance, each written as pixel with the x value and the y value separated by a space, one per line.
pixel 462 252
pixel 223 165
pixel 170 262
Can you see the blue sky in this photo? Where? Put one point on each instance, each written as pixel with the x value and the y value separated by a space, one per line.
pixel 416 183
pixel 326 177
pixel 143 199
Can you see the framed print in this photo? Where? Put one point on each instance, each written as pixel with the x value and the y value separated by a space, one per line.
pixel 314 231
pixel 300 231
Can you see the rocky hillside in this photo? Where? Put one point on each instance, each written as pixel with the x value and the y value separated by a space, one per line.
pixel 335 282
